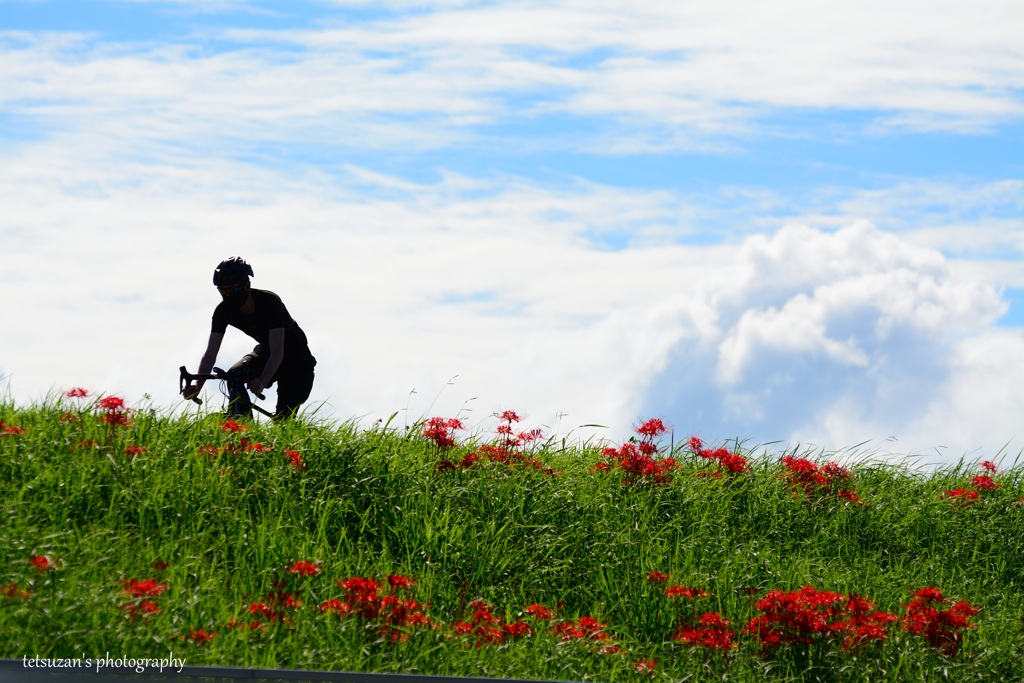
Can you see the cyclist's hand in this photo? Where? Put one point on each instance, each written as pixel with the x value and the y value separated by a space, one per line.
pixel 256 386
pixel 190 391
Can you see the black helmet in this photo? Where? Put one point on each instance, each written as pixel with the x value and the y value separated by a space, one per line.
pixel 232 271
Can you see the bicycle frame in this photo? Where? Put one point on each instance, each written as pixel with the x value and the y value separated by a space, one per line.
pixel 235 382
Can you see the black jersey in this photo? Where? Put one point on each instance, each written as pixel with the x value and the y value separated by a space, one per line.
pixel 269 314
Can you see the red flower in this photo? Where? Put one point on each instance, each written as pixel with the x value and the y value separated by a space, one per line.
pixel 233 427
pixel 12 592
pixel 112 404
pixel 988 465
pixel 684 592
pixel 144 588
pixel 77 392
pixel 132 449
pixel 296 460
pixel 396 582
pixel 713 632
pixel 652 428
pixel 539 611
pixel 199 636
pixel 304 568
pixel 847 494
pixel 984 481
pixel 10 430
pixel 941 628
pixel 159 566
pixel 657 577
pixel 970 495
pixel 41 563
pixel 646 666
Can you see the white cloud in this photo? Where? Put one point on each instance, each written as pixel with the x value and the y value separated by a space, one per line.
pixel 693 75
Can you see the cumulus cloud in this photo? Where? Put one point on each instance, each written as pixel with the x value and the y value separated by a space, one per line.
pixel 841 337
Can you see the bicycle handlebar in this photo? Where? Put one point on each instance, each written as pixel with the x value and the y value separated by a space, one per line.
pixel 186 376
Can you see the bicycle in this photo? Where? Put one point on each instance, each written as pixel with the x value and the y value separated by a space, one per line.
pixel 237 394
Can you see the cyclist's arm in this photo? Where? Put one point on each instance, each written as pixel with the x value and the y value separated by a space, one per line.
pixel 210 357
pixel 276 355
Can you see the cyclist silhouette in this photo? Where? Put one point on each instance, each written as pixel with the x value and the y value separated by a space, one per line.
pixel 281 354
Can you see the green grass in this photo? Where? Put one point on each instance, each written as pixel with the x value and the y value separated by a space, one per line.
pixel 372 503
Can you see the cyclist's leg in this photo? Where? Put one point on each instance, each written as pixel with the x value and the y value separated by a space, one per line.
pixel 250 365
pixel 293 388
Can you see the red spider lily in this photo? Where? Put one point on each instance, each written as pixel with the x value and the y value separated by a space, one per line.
pixel 815 480
pixel 539 612
pixel 733 463
pixel 10 430
pixel 159 565
pixel 112 403
pixel 988 465
pixel 508 416
pixel 68 417
pixel 439 430
pixel 651 428
pixel 142 588
pixel 803 616
pixel 41 563
pixel 984 481
pixel 200 637
pixel 657 577
pixel 233 427
pixel 585 627
pixel 610 650
pixel 132 449
pixel 77 392
pixel 116 419
pixel 863 625
pixel 296 460
pixel 848 495
pixel 488 628
pixel 712 632
pixel 684 592
pixel 144 607
pixel 637 459
pixel 645 666
pixel 262 609
pixel 969 495
pixel 393 615
pixel 13 592
pixel 396 581
pixel 304 568
pixel 940 627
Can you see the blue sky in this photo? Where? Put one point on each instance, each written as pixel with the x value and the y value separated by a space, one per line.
pixel 589 212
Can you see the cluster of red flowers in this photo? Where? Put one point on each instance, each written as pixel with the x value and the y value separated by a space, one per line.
pixel 10 430
pixel 305 568
pixel 584 628
pixel 488 628
pixel 139 592
pixel 979 482
pixel 816 480
pixel 440 432
pixel 115 413
pixel 13 592
pixel 940 627
pixel 509 448
pixel 77 392
pixel 394 616
pixel 809 616
pixel 272 609
pixel 637 459
pixel 734 463
pixel 295 458
pixel 711 632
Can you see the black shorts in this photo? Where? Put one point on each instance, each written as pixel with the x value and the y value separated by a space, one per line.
pixel 294 380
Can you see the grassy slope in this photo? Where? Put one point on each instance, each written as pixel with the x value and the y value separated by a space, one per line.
pixel 371 503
